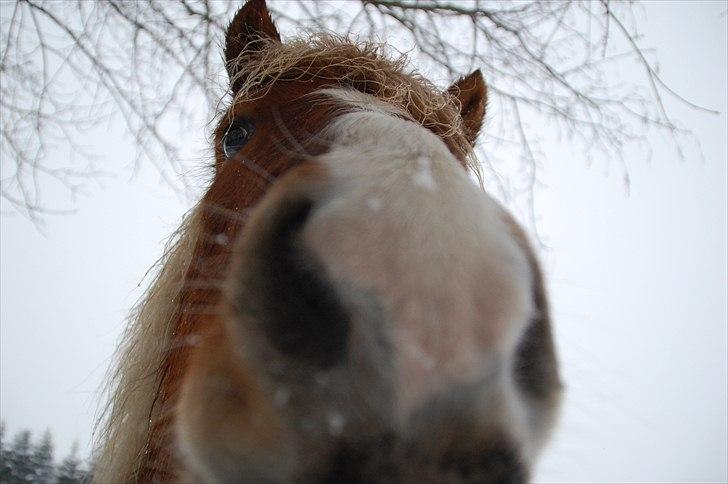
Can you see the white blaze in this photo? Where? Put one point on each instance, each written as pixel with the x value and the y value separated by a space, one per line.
pixel 434 250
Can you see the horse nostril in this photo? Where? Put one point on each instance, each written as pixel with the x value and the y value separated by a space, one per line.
pixel 286 289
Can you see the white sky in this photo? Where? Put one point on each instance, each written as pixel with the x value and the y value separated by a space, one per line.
pixel 638 285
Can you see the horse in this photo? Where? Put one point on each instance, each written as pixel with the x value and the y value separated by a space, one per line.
pixel 345 303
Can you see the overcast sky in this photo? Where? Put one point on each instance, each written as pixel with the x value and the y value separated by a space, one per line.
pixel 638 285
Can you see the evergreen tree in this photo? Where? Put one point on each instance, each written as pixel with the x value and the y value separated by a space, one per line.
pixel 42 460
pixel 20 462
pixel 5 456
pixel 24 463
pixel 70 471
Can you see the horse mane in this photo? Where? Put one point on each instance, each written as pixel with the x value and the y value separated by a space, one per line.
pixel 133 379
pixel 361 65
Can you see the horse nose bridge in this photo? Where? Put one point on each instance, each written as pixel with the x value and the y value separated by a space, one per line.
pixel 407 276
pixel 435 254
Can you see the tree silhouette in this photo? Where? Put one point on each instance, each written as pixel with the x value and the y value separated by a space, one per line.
pixel 24 462
pixel 71 471
pixel 41 460
pixel 18 460
pixel 5 467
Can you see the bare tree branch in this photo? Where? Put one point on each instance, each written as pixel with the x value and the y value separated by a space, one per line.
pixel 66 66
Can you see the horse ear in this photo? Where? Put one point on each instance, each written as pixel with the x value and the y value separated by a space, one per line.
pixel 472 94
pixel 251 27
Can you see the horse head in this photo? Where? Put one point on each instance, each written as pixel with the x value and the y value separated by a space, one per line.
pixel 353 307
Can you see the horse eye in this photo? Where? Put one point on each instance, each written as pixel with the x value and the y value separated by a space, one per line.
pixel 239 133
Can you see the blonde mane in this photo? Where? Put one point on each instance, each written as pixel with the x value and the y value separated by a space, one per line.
pixel 134 379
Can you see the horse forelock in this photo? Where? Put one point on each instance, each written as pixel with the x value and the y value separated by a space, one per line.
pixel 366 67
